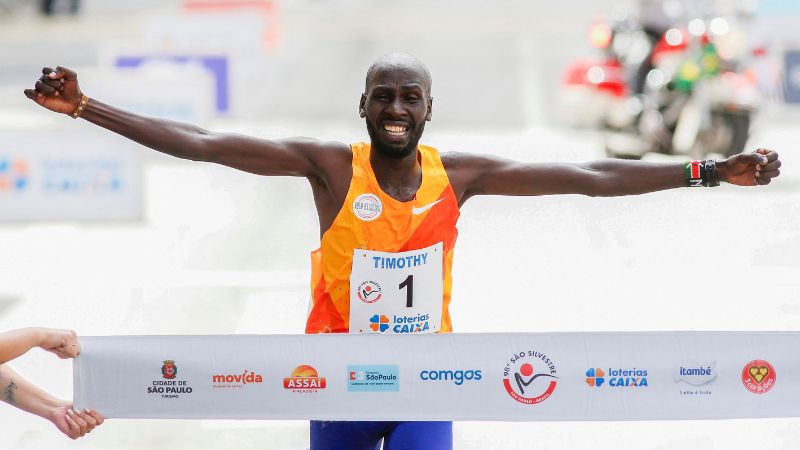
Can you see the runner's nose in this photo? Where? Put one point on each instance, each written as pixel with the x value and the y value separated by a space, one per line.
pixel 395 108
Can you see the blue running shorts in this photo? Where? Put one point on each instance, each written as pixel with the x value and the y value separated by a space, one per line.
pixel 368 435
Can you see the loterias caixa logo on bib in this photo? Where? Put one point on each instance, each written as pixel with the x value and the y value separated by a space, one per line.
pixel 304 379
pixel 169 386
pixel 530 377
pixel 416 323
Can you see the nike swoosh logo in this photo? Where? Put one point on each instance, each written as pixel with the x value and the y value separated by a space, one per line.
pixel 417 211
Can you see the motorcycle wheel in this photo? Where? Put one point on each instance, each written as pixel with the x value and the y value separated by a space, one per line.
pixel 739 124
pixel 622 145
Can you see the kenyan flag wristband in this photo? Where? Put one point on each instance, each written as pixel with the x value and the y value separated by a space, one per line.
pixel 694 173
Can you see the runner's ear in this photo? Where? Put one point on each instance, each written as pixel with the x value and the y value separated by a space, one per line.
pixel 429 116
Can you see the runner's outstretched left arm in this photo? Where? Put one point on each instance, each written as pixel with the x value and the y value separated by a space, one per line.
pixel 489 175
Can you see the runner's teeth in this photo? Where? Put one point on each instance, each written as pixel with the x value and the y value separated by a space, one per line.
pixel 396 130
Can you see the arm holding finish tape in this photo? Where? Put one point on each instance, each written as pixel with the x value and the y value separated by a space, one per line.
pixel 20 393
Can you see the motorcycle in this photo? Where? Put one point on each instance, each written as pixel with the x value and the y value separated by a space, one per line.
pixel 595 92
pixel 696 96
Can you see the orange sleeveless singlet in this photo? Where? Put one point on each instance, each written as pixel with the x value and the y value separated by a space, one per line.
pixel 395 229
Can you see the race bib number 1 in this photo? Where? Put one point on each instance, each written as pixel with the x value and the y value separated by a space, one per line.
pixel 396 293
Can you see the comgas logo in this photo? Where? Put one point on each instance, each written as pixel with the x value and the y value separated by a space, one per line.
pixel 458 377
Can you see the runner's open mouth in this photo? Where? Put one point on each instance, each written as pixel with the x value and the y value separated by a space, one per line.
pixel 395 130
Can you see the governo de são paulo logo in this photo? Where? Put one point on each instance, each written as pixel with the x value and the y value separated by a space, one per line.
pixel 369 292
pixel 530 377
pixel 304 379
pixel 758 376
pixel 367 207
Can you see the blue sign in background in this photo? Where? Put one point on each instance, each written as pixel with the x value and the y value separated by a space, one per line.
pixel 217 65
pixel 791 76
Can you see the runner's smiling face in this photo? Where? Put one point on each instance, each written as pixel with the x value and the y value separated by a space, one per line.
pixel 396 105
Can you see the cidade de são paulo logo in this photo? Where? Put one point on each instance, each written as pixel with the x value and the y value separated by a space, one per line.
pixel 236 381
pixel 169 386
pixel 758 376
pixel 695 378
pixel 304 379
pixel 530 377
pixel 369 292
pixel 616 377
pixel 457 377
pixel 367 207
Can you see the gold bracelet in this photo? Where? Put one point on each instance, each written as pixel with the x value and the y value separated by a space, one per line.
pixel 79 110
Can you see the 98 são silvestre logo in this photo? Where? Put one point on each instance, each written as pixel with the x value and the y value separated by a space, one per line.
pixel 530 377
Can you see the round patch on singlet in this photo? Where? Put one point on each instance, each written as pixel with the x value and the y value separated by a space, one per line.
pixel 367 207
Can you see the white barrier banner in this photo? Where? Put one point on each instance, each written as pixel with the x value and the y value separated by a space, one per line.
pixel 505 376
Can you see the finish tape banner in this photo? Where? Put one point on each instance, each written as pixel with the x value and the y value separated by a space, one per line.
pixel 498 376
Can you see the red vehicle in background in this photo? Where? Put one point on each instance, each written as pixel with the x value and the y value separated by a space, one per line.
pixel 684 91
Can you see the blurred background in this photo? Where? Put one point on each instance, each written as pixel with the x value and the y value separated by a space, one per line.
pixel 107 238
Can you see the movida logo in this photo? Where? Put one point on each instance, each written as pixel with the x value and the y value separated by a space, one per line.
pixel 237 380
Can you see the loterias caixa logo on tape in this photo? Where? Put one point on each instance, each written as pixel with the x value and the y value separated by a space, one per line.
pixel 304 379
pixel 169 386
pixel 530 377
pixel 617 377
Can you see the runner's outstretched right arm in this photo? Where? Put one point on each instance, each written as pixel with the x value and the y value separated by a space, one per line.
pixel 58 91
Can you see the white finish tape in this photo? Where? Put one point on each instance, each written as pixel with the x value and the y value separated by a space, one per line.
pixel 504 376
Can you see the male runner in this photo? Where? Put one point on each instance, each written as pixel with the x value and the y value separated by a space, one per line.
pixel 390 204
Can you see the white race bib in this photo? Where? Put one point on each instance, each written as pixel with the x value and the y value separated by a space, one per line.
pixel 396 293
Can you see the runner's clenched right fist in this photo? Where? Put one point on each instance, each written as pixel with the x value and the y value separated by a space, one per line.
pixel 57 90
